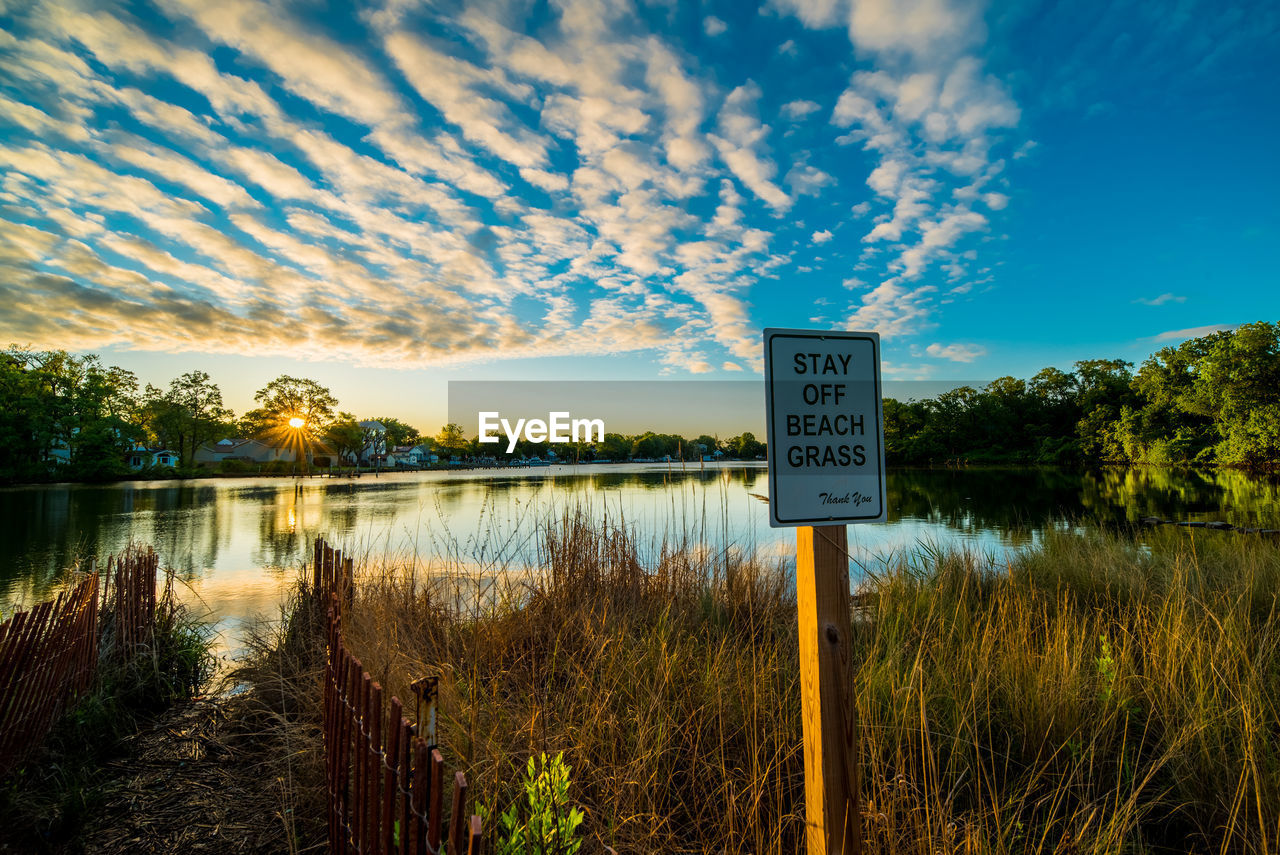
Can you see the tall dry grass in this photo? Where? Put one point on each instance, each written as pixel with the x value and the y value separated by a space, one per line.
pixel 1092 695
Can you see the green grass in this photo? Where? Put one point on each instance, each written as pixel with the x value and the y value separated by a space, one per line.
pixel 1095 694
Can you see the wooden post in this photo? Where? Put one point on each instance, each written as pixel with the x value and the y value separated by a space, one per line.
pixel 833 820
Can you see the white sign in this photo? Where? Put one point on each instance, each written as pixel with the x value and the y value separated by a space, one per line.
pixel 826 427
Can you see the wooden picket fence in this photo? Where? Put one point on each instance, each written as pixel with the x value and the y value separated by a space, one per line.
pixel 131 581
pixel 385 783
pixel 331 573
pixel 48 656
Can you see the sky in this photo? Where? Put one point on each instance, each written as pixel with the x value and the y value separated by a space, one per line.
pixel 389 196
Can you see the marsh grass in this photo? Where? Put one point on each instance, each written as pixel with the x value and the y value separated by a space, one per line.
pixel 1091 694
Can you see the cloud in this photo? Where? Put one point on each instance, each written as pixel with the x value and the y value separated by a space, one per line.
pixel 807 180
pixel 235 178
pixel 741 145
pixel 892 309
pixel 1195 332
pixel 929 114
pixel 822 236
pixel 956 352
pixel 713 26
pixel 457 89
pixel 1161 300
pixel 313 66
pixel 907 27
pixel 796 110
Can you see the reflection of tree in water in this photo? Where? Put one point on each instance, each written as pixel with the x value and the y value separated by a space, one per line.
pixel 280 526
pixel 1179 494
pixel 47 532
pixel 969 499
pixel 185 523
pixel 53 527
pixel 1020 498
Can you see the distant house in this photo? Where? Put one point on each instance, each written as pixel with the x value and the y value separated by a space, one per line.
pixel 143 457
pixel 244 450
pixel 60 453
pixel 375 442
pixel 402 455
pixel 410 455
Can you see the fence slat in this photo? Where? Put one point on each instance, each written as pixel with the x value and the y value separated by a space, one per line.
pixel 373 757
pixel 457 829
pixel 408 828
pixel 391 776
pixel 436 792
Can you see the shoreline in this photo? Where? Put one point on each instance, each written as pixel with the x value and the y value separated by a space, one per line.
pixel 1262 473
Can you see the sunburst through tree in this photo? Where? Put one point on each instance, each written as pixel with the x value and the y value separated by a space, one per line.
pixel 293 414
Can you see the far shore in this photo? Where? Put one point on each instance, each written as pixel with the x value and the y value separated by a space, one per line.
pixel 350 474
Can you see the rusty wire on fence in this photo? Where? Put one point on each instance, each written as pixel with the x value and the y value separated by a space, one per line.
pixel 48 656
pixel 385 783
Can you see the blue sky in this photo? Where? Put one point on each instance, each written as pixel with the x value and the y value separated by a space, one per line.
pixel 388 196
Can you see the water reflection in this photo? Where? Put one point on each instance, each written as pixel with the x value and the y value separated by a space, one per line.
pixel 236 542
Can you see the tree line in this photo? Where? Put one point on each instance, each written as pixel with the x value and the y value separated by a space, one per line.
pixel 1210 401
pixel 72 417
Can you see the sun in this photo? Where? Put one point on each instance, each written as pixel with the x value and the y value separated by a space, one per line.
pixel 296 422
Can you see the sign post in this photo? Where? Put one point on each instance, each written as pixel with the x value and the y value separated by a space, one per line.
pixel 826 470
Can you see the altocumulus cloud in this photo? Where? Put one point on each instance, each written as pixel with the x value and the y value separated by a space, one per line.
pixel 956 352
pixel 931 117
pixel 404 186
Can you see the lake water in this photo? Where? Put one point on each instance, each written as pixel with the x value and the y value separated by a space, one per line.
pixel 238 543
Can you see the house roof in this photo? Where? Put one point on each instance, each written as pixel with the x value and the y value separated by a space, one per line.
pixel 231 445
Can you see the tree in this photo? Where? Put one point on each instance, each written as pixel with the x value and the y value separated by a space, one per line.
pixel 62 410
pixel 451 439
pixel 1240 373
pixel 399 433
pixel 257 422
pixel 101 426
pixel 189 414
pixel 615 447
pixel 1104 389
pixel 344 437
pixel 747 448
pixel 286 398
pixel 23 418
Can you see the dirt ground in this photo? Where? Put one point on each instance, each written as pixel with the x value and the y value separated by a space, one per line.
pixel 195 781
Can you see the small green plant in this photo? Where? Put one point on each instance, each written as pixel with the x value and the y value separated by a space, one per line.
pixel 1106 668
pixel 1108 672
pixel 545 823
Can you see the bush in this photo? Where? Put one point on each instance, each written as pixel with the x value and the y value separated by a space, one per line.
pixel 545 822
